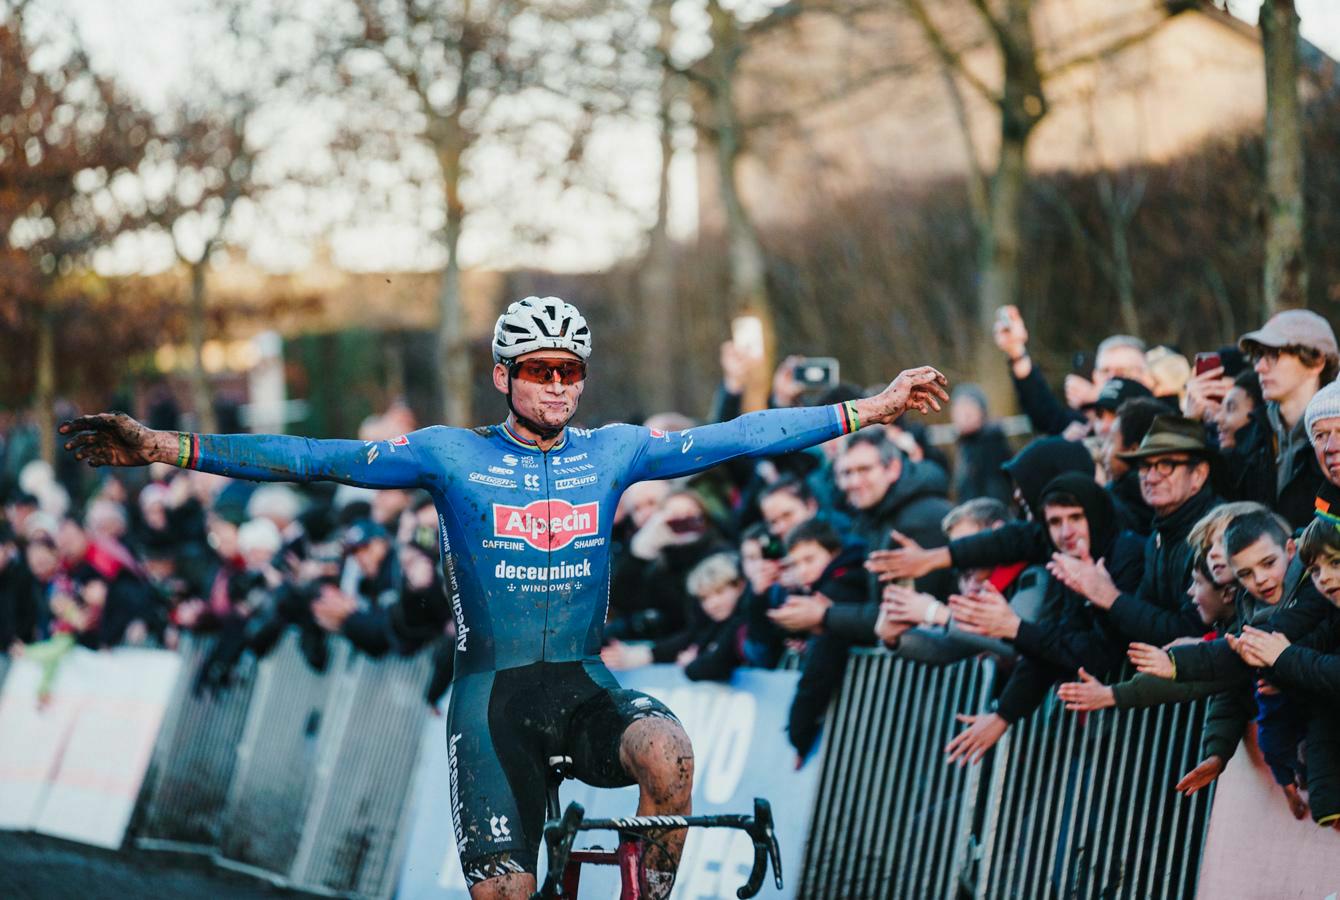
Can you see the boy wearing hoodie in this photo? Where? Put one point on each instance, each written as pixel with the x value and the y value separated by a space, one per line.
pixel 1070 633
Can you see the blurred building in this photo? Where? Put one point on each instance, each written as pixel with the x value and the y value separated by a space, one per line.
pixel 322 298
pixel 863 102
pixel 350 343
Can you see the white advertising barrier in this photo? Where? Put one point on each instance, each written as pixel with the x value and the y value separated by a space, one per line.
pixel 1284 857
pixel 72 768
pixel 740 750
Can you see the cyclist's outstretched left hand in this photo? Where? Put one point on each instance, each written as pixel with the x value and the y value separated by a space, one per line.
pixel 922 389
pixel 114 439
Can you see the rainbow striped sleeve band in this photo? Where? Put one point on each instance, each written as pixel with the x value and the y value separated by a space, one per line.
pixel 188 449
pixel 848 417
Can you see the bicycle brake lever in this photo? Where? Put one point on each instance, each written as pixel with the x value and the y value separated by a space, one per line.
pixel 763 818
pixel 765 845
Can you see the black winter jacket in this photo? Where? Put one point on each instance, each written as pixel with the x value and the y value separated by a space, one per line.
pixel 977 472
pixel 844 583
pixel 1047 414
pixel 1159 611
pixel 915 505
pixel 1071 633
pixel 1252 473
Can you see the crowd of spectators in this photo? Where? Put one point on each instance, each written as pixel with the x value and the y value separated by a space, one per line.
pixel 1169 519
pixel 1175 520
pixel 146 556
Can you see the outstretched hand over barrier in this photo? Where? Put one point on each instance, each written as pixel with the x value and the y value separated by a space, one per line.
pixel 971 744
pixel 1209 769
pixel 1151 660
pixel 908 560
pixel 1086 695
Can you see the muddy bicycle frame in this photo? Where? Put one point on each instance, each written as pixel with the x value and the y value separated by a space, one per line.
pixel 564 863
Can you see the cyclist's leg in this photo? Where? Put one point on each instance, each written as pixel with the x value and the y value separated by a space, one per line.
pixel 497 786
pixel 620 737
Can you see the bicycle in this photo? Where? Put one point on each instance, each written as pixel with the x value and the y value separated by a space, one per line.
pixel 564 873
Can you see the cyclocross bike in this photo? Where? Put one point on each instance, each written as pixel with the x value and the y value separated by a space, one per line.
pixel 564 873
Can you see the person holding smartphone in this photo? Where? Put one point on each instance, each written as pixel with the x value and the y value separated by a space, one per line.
pixel 1120 355
pixel 1294 355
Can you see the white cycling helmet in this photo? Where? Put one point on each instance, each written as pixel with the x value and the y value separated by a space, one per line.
pixel 540 323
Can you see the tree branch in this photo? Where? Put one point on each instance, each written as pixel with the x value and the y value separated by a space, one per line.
pixel 947 56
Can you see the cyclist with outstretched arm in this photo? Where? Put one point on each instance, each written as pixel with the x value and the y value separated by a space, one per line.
pixel 525 510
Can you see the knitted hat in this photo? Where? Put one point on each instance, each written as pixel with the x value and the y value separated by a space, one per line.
pixel 1325 404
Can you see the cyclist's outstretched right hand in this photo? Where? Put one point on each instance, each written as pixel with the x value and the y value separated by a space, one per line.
pixel 114 439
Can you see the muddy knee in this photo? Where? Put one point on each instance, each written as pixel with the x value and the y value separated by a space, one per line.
pixel 658 754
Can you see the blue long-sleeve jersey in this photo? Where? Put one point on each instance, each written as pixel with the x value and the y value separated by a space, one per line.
pixel 524 532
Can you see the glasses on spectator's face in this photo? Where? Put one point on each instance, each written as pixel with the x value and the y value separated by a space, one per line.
pixel 1165 466
pixel 857 471
pixel 1270 354
pixel 542 371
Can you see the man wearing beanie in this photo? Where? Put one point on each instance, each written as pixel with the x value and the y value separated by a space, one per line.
pixel 1294 354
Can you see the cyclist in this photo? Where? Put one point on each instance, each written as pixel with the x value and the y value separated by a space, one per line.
pixel 524 511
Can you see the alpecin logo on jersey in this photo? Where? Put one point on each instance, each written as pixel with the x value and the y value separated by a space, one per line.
pixel 546 524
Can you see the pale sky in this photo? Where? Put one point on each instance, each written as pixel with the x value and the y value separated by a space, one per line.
pixel 148 45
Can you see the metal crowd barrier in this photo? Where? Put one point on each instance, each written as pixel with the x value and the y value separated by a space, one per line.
pixel 357 821
pixel 1084 806
pixel 890 815
pixel 300 776
pixel 277 756
pixel 1065 806
pixel 187 785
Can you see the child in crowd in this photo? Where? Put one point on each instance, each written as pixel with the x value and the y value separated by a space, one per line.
pixel 1259 550
pixel 1311 668
pixel 821 574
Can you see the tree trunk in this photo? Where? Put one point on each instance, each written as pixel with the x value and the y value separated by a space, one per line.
pixel 195 327
pixel 46 383
pixel 1000 269
pixel 998 283
pixel 1119 211
pixel 1286 264
pixel 657 333
pixel 748 266
pixel 453 344
pixel 1022 106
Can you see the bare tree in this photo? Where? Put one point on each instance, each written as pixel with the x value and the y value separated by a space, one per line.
pixel 457 80
pixel 66 134
pixel 727 124
pixel 203 162
pixel 1021 101
pixel 1285 225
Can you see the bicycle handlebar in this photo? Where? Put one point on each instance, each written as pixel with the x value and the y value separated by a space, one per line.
pixel 559 836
